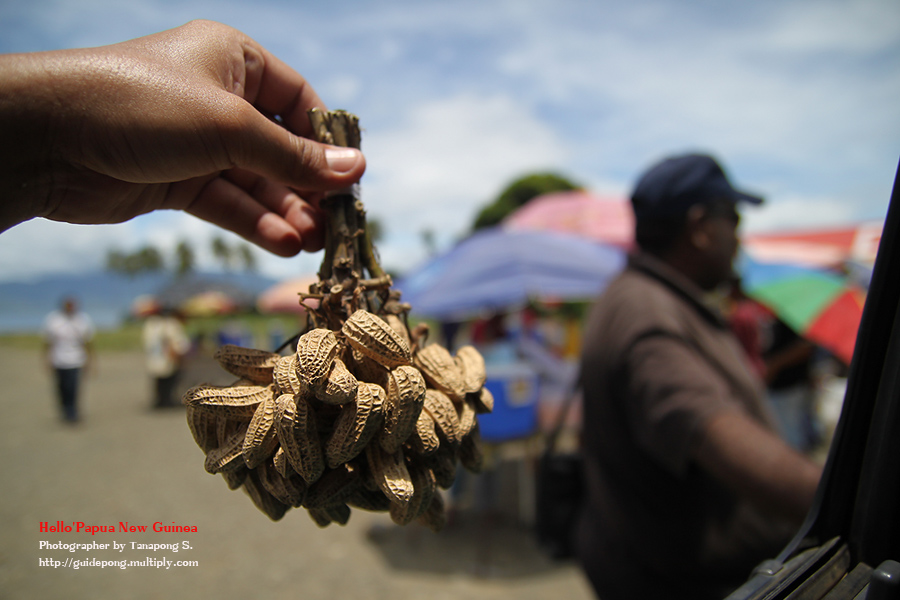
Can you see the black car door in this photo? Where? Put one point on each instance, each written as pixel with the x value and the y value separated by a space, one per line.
pixel 849 546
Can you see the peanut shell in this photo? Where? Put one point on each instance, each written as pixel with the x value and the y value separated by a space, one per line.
pixel 390 473
pixel 440 371
pixel 295 424
pixel 250 363
pixel 261 439
pixel 316 351
pixel 374 338
pixel 471 364
pixel 356 425
pixel 239 401
pixel 406 397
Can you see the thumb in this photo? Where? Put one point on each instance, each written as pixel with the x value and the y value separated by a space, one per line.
pixel 269 149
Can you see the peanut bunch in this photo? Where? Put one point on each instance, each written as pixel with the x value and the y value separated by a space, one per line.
pixel 367 416
pixel 364 413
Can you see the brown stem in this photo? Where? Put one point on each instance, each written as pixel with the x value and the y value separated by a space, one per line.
pixel 349 252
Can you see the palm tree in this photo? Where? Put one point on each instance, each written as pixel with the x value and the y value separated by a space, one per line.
pixel 184 258
pixel 222 251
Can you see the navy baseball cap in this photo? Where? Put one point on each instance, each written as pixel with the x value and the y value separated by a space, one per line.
pixel 672 186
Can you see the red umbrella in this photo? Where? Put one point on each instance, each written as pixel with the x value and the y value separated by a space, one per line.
pixel 607 219
pixel 824 247
pixel 145 305
pixel 284 297
pixel 819 305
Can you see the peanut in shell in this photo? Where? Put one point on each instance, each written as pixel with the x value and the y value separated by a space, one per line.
pixel 261 497
pixel 424 488
pixel 374 338
pixel 390 473
pixel 424 440
pixel 399 327
pixel 483 401
pixel 442 410
pixel 471 364
pixel 285 375
pixel 405 399
pixel 335 486
pixel 467 418
pixel 252 364
pixel 340 385
pixel 229 454
pixel 434 517
pixel 239 401
pixel 295 424
pixel 316 351
pixel 234 478
pixel 202 425
pixel 356 425
pixel 441 371
pixel 261 439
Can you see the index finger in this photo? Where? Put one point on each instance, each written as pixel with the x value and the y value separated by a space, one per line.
pixel 279 89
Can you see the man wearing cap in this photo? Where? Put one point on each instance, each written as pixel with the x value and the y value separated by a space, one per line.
pixel 688 484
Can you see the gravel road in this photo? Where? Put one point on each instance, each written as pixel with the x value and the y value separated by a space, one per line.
pixel 127 465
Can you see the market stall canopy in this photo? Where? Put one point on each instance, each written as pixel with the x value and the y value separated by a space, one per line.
pixel 206 295
pixel 821 247
pixel 606 219
pixel 609 219
pixel 208 304
pixel 284 297
pixel 498 269
pixel 819 305
pixel 145 305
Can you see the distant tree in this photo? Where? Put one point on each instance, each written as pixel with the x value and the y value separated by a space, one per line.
pixel 147 259
pixel 518 193
pixel 429 240
pixel 246 257
pixel 115 261
pixel 375 229
pixel 184 258
pixel 150 259
pixel 222 251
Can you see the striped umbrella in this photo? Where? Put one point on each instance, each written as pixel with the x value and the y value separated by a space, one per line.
pixel 818 304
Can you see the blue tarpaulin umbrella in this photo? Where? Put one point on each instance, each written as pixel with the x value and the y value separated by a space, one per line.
pixel 499 269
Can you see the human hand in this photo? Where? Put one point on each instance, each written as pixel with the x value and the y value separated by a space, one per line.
pixel 182 119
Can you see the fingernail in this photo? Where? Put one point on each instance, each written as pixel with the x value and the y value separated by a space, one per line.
pixel 341 160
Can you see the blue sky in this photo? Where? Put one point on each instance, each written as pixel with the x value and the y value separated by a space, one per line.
pixel 798 99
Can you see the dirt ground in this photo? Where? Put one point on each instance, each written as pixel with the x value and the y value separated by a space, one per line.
pixel 125 463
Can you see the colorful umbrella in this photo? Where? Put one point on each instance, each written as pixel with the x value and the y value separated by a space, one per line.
pixel 824 247
pixel 609 220
pixel 145 305
pixel 284 297
pixel 497 269
pixel 818 304
pixel 207 304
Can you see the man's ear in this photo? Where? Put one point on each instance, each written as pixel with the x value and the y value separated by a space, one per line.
pixel 695 226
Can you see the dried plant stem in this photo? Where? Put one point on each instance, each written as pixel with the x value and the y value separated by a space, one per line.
pixel 350 276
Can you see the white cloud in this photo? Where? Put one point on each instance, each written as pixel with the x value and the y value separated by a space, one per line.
pixel 796 212
pixel 447 159
pixel 39 246
pixel 458 98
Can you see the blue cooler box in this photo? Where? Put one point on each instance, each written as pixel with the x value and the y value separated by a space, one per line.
pixel 515 387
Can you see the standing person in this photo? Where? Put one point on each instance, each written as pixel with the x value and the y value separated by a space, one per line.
pixel 746 317
pixel 789 363
pixel 166 345
pixel 68 350
pixel 688 485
